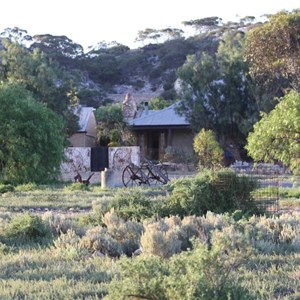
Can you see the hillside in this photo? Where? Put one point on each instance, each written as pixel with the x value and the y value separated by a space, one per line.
pixel 108 71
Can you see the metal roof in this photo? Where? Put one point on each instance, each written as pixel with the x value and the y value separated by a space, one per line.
pixel 84 114
pixel 165 117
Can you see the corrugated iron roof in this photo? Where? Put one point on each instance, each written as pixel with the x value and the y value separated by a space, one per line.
pixel 165 117
pixel 84 114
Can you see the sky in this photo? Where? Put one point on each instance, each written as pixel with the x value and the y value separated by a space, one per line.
pixel 91 21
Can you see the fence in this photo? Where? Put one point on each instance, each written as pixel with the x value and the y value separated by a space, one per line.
pixel 270 178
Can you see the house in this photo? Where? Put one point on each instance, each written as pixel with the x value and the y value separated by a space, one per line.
pixel 155 130
pixel 86 134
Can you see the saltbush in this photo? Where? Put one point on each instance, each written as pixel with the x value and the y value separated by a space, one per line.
pixel 201 273
pixel 97 239
pixel 126 233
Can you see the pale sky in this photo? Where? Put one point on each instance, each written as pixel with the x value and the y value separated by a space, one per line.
pixel 91 21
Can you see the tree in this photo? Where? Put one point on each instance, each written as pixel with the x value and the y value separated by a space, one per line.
pixel 17 35
pixel 276 137
pixel 31 138
pixel 205 25
pixel 158 103
pixel 61 48
pixel 217 94
pixel 273 49
pixel 47 82
pixel 209 152
pixel 111 126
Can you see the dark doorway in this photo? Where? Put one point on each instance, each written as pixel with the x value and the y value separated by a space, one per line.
pixel 153 145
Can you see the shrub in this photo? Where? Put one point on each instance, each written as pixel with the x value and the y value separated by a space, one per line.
pixel 76 186
pixel 4 188
pixel 98 239
pixel 127 234
pixel 132 204
pixel 26 227
pixel 27 187
pixel 201 273
pixel 222 191
pixel 209 152
pixel 58 223
pixel 68 245
pixel 160 239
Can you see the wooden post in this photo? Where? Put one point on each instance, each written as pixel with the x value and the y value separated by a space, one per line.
pixel 103 179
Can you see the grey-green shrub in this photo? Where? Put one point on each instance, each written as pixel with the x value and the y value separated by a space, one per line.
pixel 160 239
pixel 201 273
pixel 98 239
pixel 126 233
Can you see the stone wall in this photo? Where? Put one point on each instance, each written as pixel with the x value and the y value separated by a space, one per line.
pixel 78 160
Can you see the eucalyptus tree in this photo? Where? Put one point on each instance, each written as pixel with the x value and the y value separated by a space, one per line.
pixel 273 51
pixel 204 25
pixel 216 92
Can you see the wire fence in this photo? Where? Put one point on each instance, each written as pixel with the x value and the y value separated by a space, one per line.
pixel 269 178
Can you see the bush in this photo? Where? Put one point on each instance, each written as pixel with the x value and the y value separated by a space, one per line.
pixel 209 152
pixel 127 234
pixel 132 204
pixel 77 186
pixel 27 187
pixel 97 239
pixel 161 240
pixel 4 188
pixel 29 227
pixel 222 191
pixel 201 273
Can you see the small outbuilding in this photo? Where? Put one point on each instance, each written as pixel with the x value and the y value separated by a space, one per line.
pixel 86 134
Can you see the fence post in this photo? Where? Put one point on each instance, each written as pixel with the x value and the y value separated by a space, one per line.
pixel 103 179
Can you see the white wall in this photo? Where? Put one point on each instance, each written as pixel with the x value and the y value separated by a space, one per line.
pixel 78 159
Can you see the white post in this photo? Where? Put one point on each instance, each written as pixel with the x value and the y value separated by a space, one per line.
pixel 103 179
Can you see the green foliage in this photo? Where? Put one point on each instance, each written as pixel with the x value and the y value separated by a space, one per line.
pixel 41 76
pixel 76 186
pixel 209 152
pixel 27 226
pixel 221 191
pixel 30 133
pixel 217 93
pixel 26 187
pixel 111 126
pixel 273 49
pixel 158 103
pixel 131 205
pixel 276 136
pixel 4 188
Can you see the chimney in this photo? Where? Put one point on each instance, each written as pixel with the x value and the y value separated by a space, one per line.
pixel 146 108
